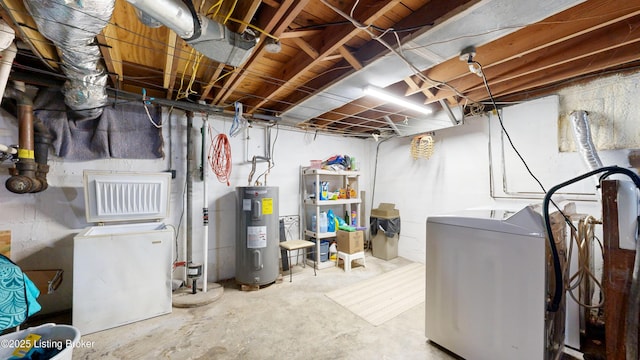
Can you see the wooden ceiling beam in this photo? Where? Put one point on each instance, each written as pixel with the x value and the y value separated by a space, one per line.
pixel 331 40
pixel 333 57
pixel 170 63
pixel 306 47
pixel 213 79
pixel 588 44
pixel 581 19
pixel 246 10
pixel 349 110
pixel 348 56
pixel 299 33
pixel 111 54
pixel 432 12
pixel 272 3
pixel 275 22
pixel 590 64
pixel 28 32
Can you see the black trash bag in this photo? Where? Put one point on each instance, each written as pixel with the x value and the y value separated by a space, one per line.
pixel 389 226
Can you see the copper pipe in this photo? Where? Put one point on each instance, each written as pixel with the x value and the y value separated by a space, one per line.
pixel 25 128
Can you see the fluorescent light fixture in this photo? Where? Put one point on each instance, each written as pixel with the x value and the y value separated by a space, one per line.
pixel 383 95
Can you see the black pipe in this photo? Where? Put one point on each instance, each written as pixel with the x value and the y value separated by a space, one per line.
pixel 42 142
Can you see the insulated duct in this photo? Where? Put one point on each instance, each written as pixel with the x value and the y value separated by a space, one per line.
pixel 72 27
pixel 211 38
pixel 582 137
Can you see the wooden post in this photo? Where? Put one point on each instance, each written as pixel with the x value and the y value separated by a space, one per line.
pixel 617 271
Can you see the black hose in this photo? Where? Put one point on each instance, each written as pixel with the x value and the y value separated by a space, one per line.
pixel 554 305
pixel 197 27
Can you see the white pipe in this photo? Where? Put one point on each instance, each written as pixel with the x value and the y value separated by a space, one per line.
pixel 8 149
pixel 5 66
pixel 205 208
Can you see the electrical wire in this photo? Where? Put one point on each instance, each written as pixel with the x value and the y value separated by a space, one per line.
pixel 554 305
pixel 436 83
pixel 219 157
pixel 233 7
pixel 495 106
pixel 249 25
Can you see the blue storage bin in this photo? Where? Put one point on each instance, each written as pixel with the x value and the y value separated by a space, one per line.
pixel 324 251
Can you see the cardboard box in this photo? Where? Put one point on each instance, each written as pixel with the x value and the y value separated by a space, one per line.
pixel 47 281
pixel 350 242
pixel 385 211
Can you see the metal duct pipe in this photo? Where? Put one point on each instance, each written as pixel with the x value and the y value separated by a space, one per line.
pixel 147 19
pixel 175 15
pixel 211 38
pixel 72 27
pixel 582 137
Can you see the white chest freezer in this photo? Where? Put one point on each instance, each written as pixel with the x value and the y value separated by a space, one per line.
pixel 487 286
pixel 122 272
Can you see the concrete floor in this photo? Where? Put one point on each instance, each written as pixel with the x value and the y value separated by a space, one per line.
pixel 284 320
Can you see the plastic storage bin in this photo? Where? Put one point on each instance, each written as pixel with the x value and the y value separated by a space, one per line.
pixel 324 251
pixel 58 337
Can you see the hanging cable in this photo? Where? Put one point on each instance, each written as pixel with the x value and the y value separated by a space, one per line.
pixel 147 101
pixel 239 122
pixel 219 157
pixel 583 239
pixel 554 305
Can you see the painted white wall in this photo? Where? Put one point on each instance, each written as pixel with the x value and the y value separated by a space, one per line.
pixel 43 225
pixel 458 174
pixel 456 177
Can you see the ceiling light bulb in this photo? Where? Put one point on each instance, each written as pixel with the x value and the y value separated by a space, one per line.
pixel 384 95
pixel 475 68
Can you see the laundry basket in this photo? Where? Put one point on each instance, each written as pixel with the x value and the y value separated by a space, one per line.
pixel 58 340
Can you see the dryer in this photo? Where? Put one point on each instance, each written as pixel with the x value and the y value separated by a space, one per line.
pixel 487 283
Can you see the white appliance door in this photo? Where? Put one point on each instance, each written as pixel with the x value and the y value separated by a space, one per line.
pixel 121 276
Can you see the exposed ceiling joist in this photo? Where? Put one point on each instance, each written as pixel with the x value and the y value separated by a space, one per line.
pixel 316 79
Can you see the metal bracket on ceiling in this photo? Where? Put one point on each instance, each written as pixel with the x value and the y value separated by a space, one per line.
pixel 447 109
